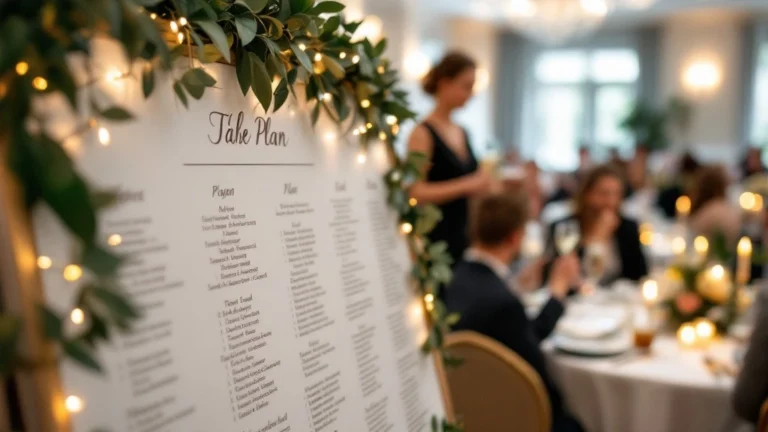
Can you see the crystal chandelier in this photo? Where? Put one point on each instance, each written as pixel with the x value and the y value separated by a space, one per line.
pixel 554 22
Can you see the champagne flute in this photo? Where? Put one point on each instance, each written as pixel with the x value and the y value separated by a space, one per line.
pixel 567 236
pixel 594 267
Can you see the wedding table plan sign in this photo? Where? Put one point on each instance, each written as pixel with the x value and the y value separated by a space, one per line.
pixel 271 276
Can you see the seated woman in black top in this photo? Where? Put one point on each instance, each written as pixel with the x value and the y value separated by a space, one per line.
pixel 602 227
pixel 452 175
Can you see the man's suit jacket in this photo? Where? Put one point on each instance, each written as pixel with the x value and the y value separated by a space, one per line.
pixel 487 306
pixel 627 240
pixel 752 385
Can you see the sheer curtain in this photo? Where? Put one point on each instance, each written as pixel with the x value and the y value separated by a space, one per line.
pixel 757 132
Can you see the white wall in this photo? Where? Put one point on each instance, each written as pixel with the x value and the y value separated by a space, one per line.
pixel 715 37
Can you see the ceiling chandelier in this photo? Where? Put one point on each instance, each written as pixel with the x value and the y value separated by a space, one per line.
pixel 553 22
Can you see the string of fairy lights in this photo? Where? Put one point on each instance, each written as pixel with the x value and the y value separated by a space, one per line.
pixel 71 272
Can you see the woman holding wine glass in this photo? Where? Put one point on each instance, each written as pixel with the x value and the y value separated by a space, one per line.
pixel 452 176
pixel 607 242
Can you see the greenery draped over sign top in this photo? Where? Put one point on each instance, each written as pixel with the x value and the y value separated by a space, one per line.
pixel 293 41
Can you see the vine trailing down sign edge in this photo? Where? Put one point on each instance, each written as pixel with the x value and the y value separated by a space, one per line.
pixel 281 41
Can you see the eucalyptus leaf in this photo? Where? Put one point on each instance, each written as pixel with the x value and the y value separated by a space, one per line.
pixel 299 6
pixel 333 66
pixel 103 199
pixel 243 72
pixel 179 90
pixel 246 28
pixel 302 57
pixel 331 25
pixel 327 7
pixel 79 353
pixel 116 113
pixel 52 323
pixel 115 302
pixel 275 67
pixel 281 95
pixel 261 82
pixel 100 261
pixel 147 81
pixel 219 39
pixel 275 30
pixel 378 50
pixel 315 113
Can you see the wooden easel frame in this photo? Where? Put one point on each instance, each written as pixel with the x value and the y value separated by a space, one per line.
pixel 39 389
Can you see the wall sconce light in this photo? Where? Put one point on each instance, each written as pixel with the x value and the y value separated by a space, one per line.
pixel 702 76
pixel 416 65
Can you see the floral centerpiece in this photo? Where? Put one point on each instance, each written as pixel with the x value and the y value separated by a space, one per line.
pixel 703 285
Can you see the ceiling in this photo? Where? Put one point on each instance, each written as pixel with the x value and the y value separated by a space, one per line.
pixel 488 10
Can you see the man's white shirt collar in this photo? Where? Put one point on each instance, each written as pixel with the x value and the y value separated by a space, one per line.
pixel 502 270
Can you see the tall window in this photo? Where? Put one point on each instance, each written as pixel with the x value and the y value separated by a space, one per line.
pixel 575 97
pixel 758 129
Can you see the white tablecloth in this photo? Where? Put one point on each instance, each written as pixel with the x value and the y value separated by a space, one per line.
pixel 668 391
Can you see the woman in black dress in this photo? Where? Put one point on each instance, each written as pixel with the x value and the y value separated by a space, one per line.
pixel 452 175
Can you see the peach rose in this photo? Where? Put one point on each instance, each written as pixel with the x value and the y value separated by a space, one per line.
pixel 688 302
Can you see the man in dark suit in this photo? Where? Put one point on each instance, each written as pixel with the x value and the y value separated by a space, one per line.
pixel 480 293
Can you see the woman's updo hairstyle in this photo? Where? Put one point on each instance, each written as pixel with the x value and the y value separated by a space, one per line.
pixel 449 67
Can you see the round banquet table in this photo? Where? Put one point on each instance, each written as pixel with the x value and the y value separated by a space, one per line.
pixel 670 390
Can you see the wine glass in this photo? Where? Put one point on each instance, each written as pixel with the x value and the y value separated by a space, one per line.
pixel 594 267
pixel 567 236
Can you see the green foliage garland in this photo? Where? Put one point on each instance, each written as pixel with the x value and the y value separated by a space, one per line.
pixel 295 41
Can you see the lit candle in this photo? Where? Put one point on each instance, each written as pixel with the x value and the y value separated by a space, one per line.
pixel 650 292
pixel 678 246
pixel 686 335
pixel 744 262
pixel 705 331
pixel 683 207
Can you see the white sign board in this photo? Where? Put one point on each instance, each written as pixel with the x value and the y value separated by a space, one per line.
pixel 273 280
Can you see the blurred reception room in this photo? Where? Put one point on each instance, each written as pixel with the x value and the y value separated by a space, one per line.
pixel 383 216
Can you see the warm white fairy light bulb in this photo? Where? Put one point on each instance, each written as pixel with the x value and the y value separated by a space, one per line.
pixel 182 21
pixel 391 120
pixel 302 46
pixel 355 59
pixel 318 57
pixel 77 316
pixel 342 55
pixel 365 103
pixel 356 132
pixel 180 37
pixel 114 240
pixel 361 157
pixel 412 202
pixel 174 27
pixel 153 15
pixel 74 404
pixel 369 125
pixel 406 228
pixel 104 136
pixel 327 97
pixel 44 262
pixel 72 272
pixel 382 135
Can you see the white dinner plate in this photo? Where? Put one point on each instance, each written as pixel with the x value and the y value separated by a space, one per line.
pixel 617 344
pixel 588 327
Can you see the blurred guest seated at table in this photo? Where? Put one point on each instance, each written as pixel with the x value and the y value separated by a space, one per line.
pixel 637 168
pixel 597 225
pixel 480 295
pixel 751 389
pixel 533 189
pixel 452 176
pixel 711 212
pixel 686 175
pixel 752 163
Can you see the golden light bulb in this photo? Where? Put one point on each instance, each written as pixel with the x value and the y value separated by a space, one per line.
pixel 342 55
pixel 758 203
pixel 701 245
pixel 704 328
pixel 114 240
pixel 430 306
pixel 678 245
pixel 330 137
pixel 383 136
pixel 153 15
pixel 650 291
pixel 412 202
pixel 40 83
pixel 302 46
pixel 369 125
pixel 429 298
pixel 395 129
pixel 74 404
pixel 646 238
pixel 44 262
pixel 744 248
pixel 355 59
pixel 363 129
pixel 406 228
pixel 391 120
pixel 104 137
pixel 180 37
pixel 686 334
pixel 683 205
pixel 174 27
pixel 381 69
pixel 361 158
pixel 182 21
pixel 327 97
pixel 22 68
pixel 77 316
pixel 365 103
pixel 318 57
pixel 747 200
pixel 72 272
pixel 356 132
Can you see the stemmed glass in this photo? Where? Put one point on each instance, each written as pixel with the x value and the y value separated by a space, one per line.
pixel 567 236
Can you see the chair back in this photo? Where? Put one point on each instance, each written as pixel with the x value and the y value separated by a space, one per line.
pixel 763 422
pixel 494 389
